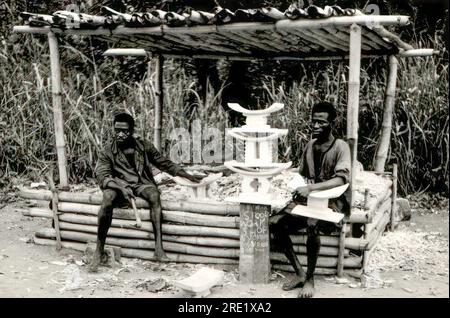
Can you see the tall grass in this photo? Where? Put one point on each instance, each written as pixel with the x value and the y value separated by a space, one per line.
pixel 420 136
pixel 420 129
pixel 26 118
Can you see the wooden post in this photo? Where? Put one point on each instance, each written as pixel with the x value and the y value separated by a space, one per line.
pixel 352 123
pixel 341 251
pixel 55 208
pixel 57 110
pixel 254 261
pixel 159 102
pixel 394 196
pixel 353 100
pixel 389 102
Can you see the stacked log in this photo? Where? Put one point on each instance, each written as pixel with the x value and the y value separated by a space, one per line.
pixel 192 231
pixel 374 230
pixel 199 232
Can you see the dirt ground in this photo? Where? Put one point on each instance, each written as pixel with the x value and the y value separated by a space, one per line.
pixel 410 262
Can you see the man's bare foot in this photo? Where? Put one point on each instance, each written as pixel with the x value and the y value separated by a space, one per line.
pixel 308 289
pixel 95 262
pixel 298 281
pixel 161 256
pixel 104 258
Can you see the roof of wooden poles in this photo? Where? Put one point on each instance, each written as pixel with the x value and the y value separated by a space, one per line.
pixel 296 33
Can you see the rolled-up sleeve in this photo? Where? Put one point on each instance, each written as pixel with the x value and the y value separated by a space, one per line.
pixel 342 167
pixel 161 162
pixel 103 171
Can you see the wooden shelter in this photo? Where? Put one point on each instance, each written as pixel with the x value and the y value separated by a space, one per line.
pixel 297 34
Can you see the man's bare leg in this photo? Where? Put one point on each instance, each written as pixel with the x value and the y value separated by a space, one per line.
pixel 283 241
pixel 104 222
pixel 152 196
pixel 312 252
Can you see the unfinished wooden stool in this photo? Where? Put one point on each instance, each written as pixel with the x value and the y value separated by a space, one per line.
pixel 199 284
pixel 317 205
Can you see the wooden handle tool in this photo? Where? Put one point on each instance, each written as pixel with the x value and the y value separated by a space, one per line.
pixel 136 213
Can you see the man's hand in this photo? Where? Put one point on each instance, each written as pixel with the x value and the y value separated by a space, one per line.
pixel 127 193
pixel 301 192
pixel 190 177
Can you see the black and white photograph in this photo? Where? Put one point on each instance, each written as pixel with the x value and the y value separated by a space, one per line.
pixel 224 149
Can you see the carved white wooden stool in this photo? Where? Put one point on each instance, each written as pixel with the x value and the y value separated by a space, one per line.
pixel 198 191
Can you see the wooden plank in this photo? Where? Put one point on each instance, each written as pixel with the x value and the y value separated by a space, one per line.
pixel 215 39
pixel 324 44
pixel 298 41
pixel 219 38
pixel 268 39
pixel 331 38
pixel 344 38
pixel 237 39
pixel 254 262
pixel 195 43
pixel 250 40
pixel 295 44
pixel 146 41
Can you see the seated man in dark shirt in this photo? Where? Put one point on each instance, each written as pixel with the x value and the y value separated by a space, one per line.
pixel 325 163
pixel 124 171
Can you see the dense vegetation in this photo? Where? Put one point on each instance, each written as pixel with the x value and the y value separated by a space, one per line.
pixel 93 86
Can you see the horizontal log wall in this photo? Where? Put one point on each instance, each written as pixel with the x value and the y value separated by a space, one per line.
pixel 217 208
pixel 181 217
pixel 202 233
pixel 210 208
pixel 175 229
pixel 143 254
pixel 185 249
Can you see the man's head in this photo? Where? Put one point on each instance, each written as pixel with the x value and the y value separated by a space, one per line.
pixel 323 116
pixel 123 127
